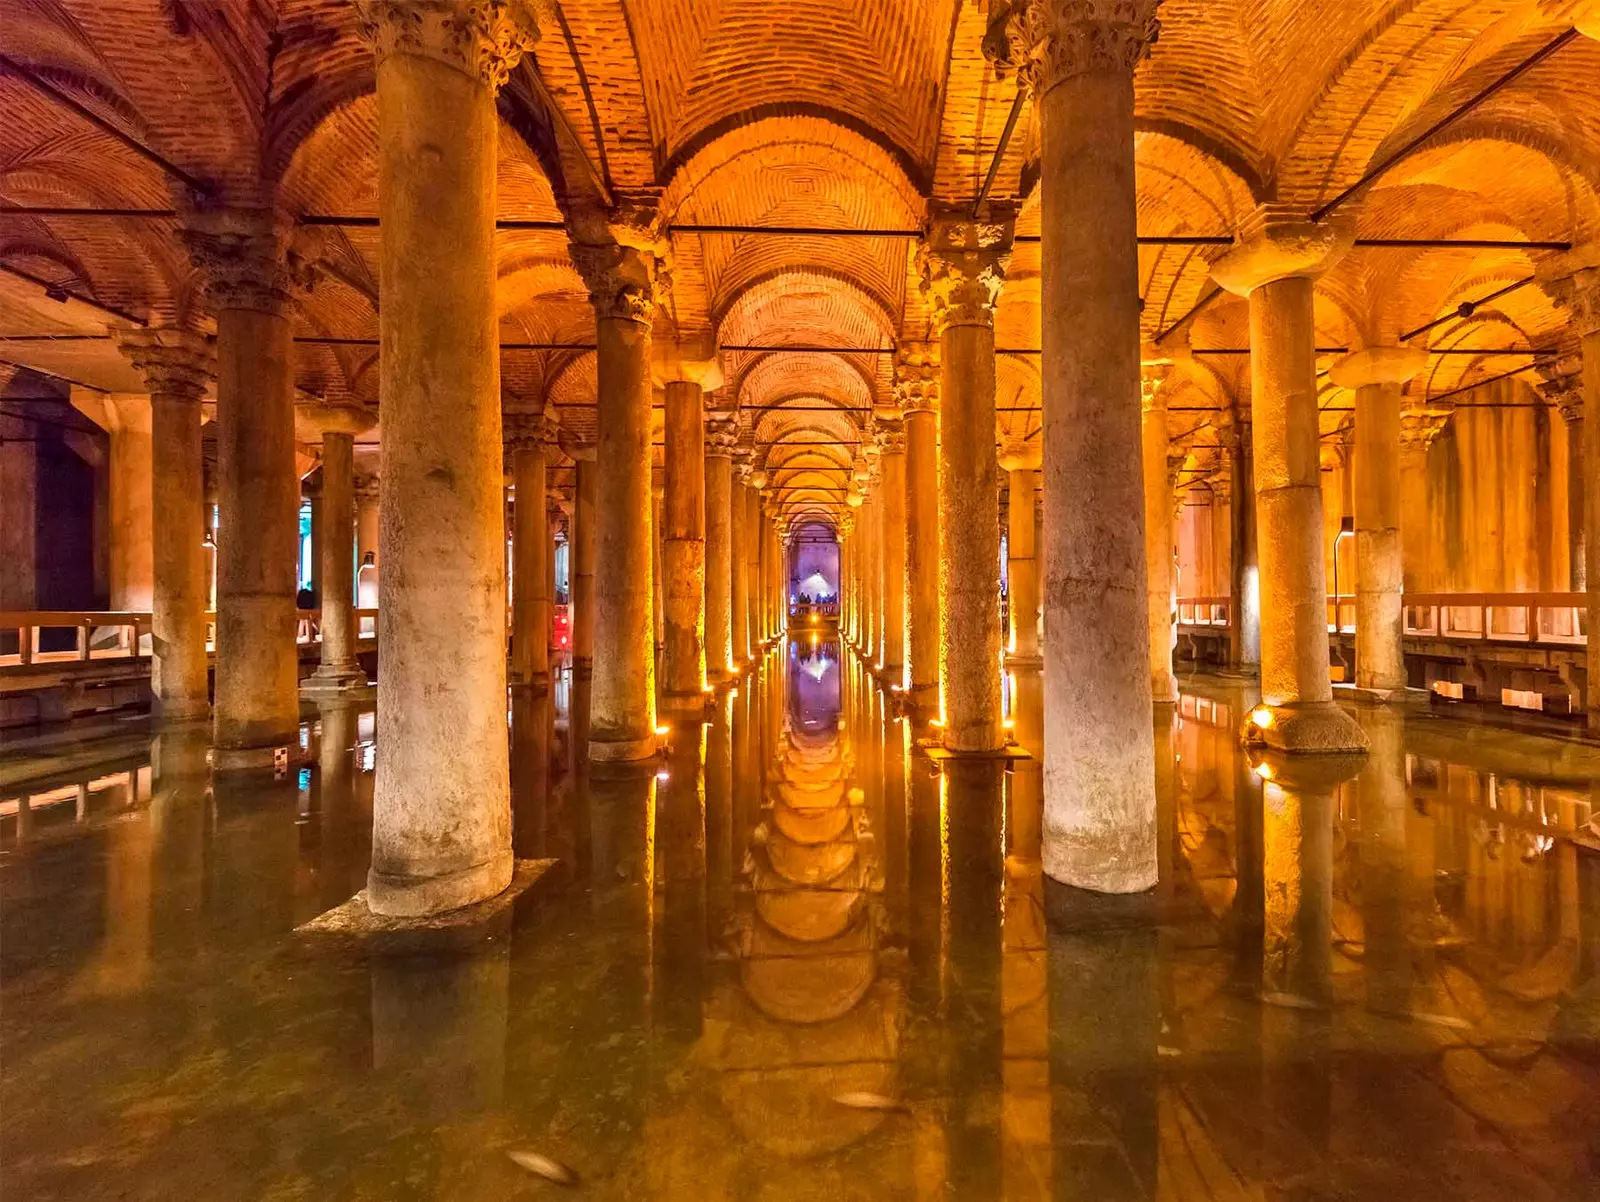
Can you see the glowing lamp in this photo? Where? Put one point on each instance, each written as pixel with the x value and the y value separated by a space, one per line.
pixel 1262 717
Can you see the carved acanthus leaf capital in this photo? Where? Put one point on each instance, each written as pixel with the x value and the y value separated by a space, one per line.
pixel 485 39
pixel 1578 295
pixel 916 377
pixel 1049 41
pixel 523 431
pixel 963 262
pixel 891 437
pixel 722 435
pixel 1152 386
pixel 250 259
pixel 175 363
pixel 624 282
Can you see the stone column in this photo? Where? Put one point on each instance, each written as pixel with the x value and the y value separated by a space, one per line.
pixel 1564 390
pixel 739 563
pixel 1275 264
pixel 892 466
pixel 441 813
pixel 849 577
pixel 762 589
pixel 753 534
pixel 339 424
pixel 582 560
pixel 1159 535
pixel 963 267
pixel 872 578
pixel 917 390
pixel 1244 582
pixel 127 420
pixel 554 514
pixel 530 440
pixel 621 276
pixel 367 542
pixel 1100 806
pixel 1020 459
pixel 658 497
pixel 688 372
pixel 1579 294
pixel 250 272
pixel 177 365
pixel 1377 375
pixel 719 547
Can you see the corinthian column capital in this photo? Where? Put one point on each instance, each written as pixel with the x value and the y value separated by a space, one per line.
pixel 963 263
pixel 174 363
pixel 482 38
pixel 916 377
pixel 1049 41
pixel 1573 283
pixel 250 258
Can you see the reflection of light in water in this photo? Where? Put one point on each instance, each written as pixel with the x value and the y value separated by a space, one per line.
pixel 816 669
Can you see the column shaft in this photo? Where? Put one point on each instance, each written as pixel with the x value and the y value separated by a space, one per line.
pixel 441 806
pixel 1244 636
pixel 893 466
pixel 582 565
pixel 1576 502
pixel 718 594
pixel 922 556
pixel 1100 805
pixel 338 562
pixel 1380 646
pixel 683 549
pixel 530 568
pixel 178 621
pixel 1021 565
pixel 1591 516
pixel 1159 539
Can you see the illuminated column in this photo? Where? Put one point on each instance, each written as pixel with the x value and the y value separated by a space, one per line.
pixel 339 424
pixel 1377 375
pixel 1020 460
pixel 684 550
pixel 963 267
pixel 719 546
pixel 1564 390
pixel 850 577
pixel 1579 294
pixel 619 264
pixel 250 273
pixel 892 469
pixel 1275 263
pixel 441 813
pixel 530 440
pixel 1159 536
pixel 1244 634
pixel 581 563
pixel 658 498
pixel 917 390
pixel 739 560
pixel 1100 806
pixel 763 568
pixel 367 542
pixel 126 418
pixel 753 535
pixel 873 584
pixel 176 365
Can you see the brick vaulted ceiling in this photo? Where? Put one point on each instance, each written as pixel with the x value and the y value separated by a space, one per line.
pixel 844 114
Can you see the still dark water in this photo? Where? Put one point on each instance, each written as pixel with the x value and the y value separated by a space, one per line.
pixel 798 961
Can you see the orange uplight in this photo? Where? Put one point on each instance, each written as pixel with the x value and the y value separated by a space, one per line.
pixel 1262 717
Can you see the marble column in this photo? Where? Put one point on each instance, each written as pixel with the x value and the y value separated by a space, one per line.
pixel 1160 537
pixel 1377 374
pixel 753 533
pixel 1020 460
pixel 250 271
pixel 963 267
pixel 1100 805
pixel 622 279
pixel 530 440
pixel 658 498
pixel 582 551
pixel 872 582
pixel 441 812
pixel 554 516
pixel 849 575
pixel 762 588
pixel 338 671
pixel 917 390
pixel 1244 577
pixel 1275 263
pixel 1578 294
pixel 126 418
pixel 719 546
pixel 892 466
pixel 684 657
pixel 367 542
pixel 739 563
pixel 1569 402
pixel 177 365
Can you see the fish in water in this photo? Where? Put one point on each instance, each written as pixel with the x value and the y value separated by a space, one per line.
pixel 862 1100
pixel 550 1170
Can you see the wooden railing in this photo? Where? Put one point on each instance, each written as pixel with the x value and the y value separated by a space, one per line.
pixel 1558 619
pixel 65 636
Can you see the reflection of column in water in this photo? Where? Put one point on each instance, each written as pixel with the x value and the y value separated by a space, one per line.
pixel 1104 1066
pixel 1577 1019
pixel 1170 860
pixel 254 853
pixel 439 1029
pixel 344 825
pixel 121 963
pixel 1386 900
pixel 179 815
pixel 1247 915
pixel 530 774
pixel 748 771
pixel 973 805
pixel 678 910
pixel 892 831
pixel 1025 1021
pixel 721 859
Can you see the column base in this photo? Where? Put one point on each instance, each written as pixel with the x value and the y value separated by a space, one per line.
pixel 538 683
pixel 1102 861
pixel 1377 696
pixel 185 709
pixel 1072 910
pixel 621 751
pixel 335 679
pixel 397 895
pixel 1304 728
pixel 686 704
pixel 254 759
pixel 1017 659
pixel 355 923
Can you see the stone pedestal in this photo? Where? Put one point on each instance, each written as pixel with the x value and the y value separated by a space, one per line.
pixel 1275 264
pixel 1100 806
pixel 250 272
pixel 177 365
pixel 338 671
pixel 719 581
pixel 1377 375
pixel 582 561
pixel 963 267
pixel 1020 460
pixel 441 812
pixel 621 280
pixel 530 441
